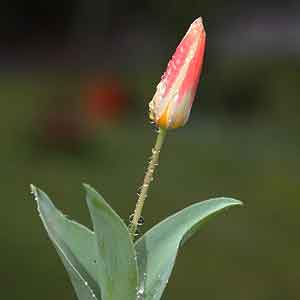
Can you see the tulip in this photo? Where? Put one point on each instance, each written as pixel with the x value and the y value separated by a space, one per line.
pixel 172 102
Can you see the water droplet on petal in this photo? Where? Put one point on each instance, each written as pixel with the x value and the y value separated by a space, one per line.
pixel 162 87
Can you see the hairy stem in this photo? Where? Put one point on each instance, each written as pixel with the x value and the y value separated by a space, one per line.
pixel 147 181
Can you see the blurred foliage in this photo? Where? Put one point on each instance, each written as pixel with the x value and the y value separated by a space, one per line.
pixel 253 254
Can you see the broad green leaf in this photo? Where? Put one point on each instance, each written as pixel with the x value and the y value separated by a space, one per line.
pixel 157 249
pixel 75 244
pixel 118 267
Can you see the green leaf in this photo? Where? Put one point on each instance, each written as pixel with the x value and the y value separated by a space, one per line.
pixel 157 249
pixel 75 245
pixel 118 268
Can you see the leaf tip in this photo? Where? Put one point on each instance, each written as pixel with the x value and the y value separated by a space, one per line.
pixel 90 191
pixel 93 196
pixel 86 186
pixel 234 201
pixel 34 192
pixel 32 188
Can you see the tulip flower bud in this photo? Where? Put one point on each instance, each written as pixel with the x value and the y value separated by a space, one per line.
pixel 172 102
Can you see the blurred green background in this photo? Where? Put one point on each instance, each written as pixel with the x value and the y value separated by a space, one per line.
pixel 75 81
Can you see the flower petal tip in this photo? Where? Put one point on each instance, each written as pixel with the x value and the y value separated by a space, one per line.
pixel 171 104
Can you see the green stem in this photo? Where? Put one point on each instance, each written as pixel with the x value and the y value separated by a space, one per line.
pixel 147 180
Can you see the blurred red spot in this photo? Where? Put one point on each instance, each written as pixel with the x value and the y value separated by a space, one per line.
pixel 104 100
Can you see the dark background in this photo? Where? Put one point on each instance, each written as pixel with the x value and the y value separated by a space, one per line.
pixel 75 81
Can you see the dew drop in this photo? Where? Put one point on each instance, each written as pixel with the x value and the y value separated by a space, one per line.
pixel 174 65
pixel 131 218
pixel 163 76
pixel 137 232
pixel 162 87
pixel 176 96
pixel 141 220
pixel 140 293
